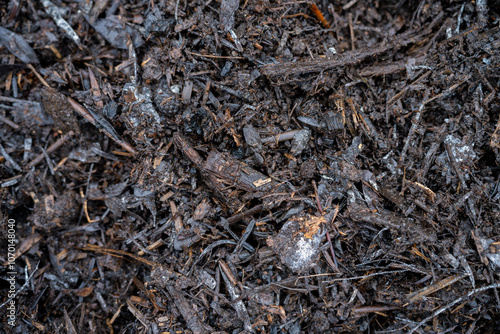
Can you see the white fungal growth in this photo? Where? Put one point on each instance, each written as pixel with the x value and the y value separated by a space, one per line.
pixel 463 152
pixel 297 244
pixel 302 255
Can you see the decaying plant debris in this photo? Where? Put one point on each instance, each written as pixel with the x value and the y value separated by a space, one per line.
pixel 251 166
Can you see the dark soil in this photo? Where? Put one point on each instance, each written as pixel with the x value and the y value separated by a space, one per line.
pixel 249 166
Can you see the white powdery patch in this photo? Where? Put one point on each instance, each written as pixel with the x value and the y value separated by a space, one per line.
pixel 298 248
pixel 303 255
pixel 463 152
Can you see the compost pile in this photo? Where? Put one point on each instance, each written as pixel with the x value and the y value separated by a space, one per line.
pixel 250 166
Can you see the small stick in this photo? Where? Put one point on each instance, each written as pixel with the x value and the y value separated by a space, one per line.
pixel 9 122
pixel 118 254
pixel 320 208
pixel 446 307
pixel 13 100
pixel 330 240
pixel 51 149
pixel 319 15
pixel 280 137
pixel 351 31
pixel 446 92
pixel 49 162
pixel 404 90
pixel 81 110
pixel 42 80
pixel 229 274
pixel 420 295
pixel 10 181
pixel 96 90
pixel 213 56
pixel 9 159
pixel 27 147
pixel 239 216
pixel 151 247
pixel 349 4
pixel 103 125
pixel 373 309
pixel 205 93
pixel 238 305
pixel 364 276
